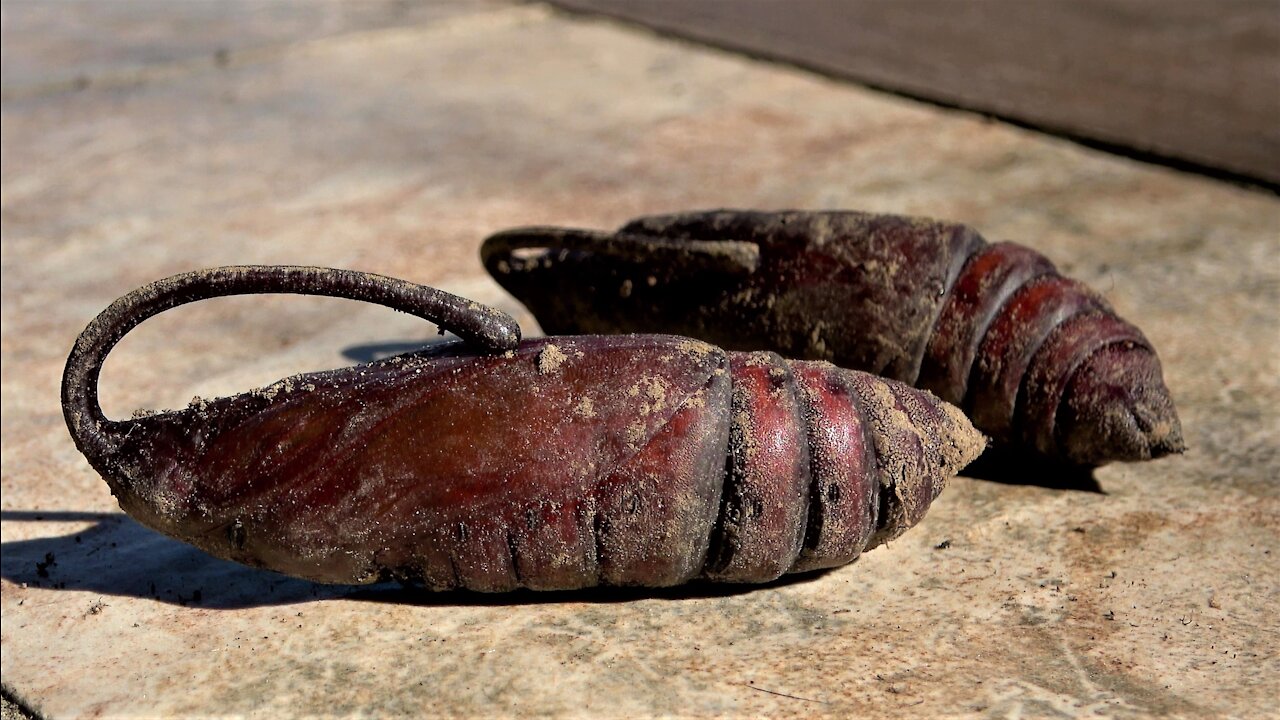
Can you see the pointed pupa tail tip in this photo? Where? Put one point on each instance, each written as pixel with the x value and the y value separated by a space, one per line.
pixel 1165 437
pixel 962 442
pixel 951 443
pixel 1118 409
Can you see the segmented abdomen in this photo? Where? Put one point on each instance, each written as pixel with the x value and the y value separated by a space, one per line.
pixel 1010 336
pixel 824 464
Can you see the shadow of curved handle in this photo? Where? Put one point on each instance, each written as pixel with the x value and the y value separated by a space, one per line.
pixel 370 352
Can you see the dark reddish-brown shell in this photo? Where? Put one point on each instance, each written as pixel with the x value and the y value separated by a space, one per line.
pixel 927 303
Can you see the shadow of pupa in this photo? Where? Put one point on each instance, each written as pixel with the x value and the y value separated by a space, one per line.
pixel 118 557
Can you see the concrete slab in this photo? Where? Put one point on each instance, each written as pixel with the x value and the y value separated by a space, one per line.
pixel 74 43
pixel 1150 591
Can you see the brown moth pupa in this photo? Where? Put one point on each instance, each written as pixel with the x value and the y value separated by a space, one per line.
pixel 1039 362
pixel 494 464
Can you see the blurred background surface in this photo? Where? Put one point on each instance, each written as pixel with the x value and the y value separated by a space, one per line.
pixel 1194 83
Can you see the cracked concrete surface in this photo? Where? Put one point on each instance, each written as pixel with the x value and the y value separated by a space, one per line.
pixel 395 143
